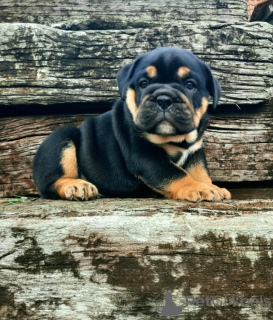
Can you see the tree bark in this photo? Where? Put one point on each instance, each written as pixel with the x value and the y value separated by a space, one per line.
pixel 109 259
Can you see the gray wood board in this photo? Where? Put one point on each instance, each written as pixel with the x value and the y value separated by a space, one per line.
pixel 44 65
pixel 120 14
pixel 110 258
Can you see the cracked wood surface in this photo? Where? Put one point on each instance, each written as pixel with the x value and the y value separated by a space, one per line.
pixel 44 65
pixel 110 258
pixel 120 14
pixel 238 146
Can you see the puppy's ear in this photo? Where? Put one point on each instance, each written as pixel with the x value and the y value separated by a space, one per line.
pixel 123 77
pixel 213 87
pixel 126 74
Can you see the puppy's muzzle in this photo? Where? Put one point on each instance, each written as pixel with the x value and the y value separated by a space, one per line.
pixel 164 96
pixel 165 110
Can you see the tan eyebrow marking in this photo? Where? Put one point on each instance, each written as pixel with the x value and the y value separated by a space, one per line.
pixel 152 72
pixel 183 71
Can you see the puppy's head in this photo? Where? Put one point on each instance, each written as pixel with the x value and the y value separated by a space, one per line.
pixel 167 91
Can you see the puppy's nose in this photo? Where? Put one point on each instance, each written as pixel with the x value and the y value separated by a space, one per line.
pixel 164 102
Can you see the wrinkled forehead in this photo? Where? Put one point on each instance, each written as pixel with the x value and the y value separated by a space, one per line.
pixel 166 64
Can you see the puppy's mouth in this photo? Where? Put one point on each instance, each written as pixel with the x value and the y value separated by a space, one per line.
pixel 165 113
pixel 165 128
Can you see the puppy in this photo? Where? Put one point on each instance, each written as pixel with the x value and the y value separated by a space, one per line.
pixel 150 142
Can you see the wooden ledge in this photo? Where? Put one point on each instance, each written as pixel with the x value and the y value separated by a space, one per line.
pixel 110 258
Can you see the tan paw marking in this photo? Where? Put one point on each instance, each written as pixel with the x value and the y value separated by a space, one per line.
pixel 197 191
pixel 189 189
pixel 223 192
pixel 75 189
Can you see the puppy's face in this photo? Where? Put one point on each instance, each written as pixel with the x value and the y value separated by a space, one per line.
pixel 167 91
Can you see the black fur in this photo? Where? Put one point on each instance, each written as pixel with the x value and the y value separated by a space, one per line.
pixel 113 152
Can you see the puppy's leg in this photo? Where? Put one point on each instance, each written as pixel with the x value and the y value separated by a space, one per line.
pixel 55 167
pixel 196 166
pixel 174 182
pixel 199 173
pixel 187 188
pixel 69 186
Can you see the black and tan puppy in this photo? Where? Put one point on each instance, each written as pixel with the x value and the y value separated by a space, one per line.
pixel 151 141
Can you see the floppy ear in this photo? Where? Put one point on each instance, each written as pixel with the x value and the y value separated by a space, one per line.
pixel 215 91
pixel 213 88
pixel 123 79
pixel 125 75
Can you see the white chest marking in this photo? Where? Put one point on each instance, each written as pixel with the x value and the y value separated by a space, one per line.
pixel 186 152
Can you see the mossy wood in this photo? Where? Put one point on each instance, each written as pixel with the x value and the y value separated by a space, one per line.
pixel 109 259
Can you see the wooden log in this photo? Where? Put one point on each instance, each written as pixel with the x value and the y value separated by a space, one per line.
pixel 110 259
pixel 238 145
pixel 44 65
pixel 120 14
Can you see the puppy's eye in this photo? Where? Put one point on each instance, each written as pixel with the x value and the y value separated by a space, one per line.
pixel 144 84
pixel 190 85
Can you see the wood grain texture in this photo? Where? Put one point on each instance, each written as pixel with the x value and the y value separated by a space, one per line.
pixel 238 146
pixel 109 259
pixel 120 14
pixel 44 65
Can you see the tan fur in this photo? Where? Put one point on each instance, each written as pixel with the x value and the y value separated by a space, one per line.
pixel 69 187
pixel 75 189
pixel 200 174
pixel 201 111
pixel 192 136
pixel 171 149
pixel 152 72
pixel 158 139
pixel 183 71
pixel 69 161
pixel 131 103
pixel 188 189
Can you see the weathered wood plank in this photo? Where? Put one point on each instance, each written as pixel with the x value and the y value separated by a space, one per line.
pixel 119 14
pixel 239 147
pixel 109 259
pixel 44 65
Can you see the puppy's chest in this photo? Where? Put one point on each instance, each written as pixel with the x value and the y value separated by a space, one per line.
pixel 178 154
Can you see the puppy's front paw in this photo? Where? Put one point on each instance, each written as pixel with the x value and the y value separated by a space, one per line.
pixel 223 192
pixel 75 189
pixel 196 192
pixel 191 190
